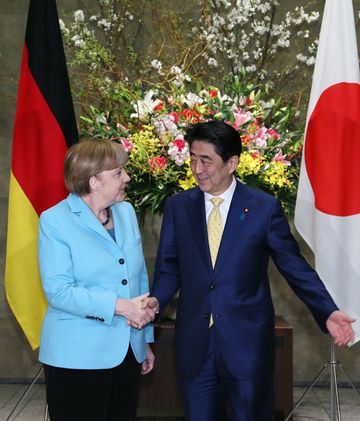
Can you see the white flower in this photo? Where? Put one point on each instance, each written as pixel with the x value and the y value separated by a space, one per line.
pixel 78 42
pixel 251 68
pixel 310 61
pixel 79 16
pixel 178 82
pixel 265 7
pixel 192 99
pixel 212 62
pixel 62 25
pixel 129 16
pixel 176 70
pixel 156 64
pixel 301 58
pixel 166 124
pixel 145 106
pixel 105 24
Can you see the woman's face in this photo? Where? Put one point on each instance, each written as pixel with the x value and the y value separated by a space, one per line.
pixel 110 185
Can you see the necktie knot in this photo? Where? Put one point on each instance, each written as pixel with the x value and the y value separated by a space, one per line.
pixel 216 201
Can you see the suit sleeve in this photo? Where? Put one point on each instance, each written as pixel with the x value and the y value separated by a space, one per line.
pixel 302 278
pixel 166 277
pixel 143 278
pixel 57 277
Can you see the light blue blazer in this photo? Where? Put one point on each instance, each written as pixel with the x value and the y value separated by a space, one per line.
pixel 83 272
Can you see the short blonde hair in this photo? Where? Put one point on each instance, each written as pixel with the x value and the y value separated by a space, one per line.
pixel 89 158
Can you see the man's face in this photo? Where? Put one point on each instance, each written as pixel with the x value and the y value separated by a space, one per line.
pixel 213 175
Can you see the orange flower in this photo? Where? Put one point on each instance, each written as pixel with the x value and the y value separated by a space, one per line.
pixel 157 163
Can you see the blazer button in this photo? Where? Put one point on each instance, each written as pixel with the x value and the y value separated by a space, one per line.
pixel 124 281
pixel 212 286
pixel 121 261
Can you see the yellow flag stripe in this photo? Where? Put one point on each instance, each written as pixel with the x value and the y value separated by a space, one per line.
pixel 22 280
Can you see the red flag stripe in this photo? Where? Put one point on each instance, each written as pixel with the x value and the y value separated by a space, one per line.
pixel 39 171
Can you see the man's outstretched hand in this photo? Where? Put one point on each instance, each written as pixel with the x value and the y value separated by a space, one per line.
pixel 339 327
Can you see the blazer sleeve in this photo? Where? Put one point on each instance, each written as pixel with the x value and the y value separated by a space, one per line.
pixel 57 276
pixel 144 279
pixel 302 278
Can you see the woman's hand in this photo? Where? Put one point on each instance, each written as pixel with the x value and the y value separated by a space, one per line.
pixel 148 364
pixel 134 311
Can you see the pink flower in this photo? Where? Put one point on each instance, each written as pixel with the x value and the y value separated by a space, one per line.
pixel 260 134
pixel 157 163
pixel 241 117
pixel 274 133
pixel 279 157
pixel 127 144
pixel 180 144
pixel 175 116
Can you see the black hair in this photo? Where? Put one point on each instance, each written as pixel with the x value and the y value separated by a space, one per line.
pixel 225 139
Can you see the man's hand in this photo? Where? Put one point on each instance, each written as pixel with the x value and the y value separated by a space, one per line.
pixel 151 302
pixel 151 305
pixel 339 327
pixel 148 364
pixel 137 314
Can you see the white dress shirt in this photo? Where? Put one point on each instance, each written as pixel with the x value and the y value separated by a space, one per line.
pixel 225 205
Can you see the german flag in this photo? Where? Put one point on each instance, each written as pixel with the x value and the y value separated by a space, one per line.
pixel 45 126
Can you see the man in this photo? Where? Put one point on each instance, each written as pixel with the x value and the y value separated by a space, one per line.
pixel 215 245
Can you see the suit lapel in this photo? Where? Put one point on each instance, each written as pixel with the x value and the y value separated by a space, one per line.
pixel 197 216
pixel 119 226
pixel 86 216
pixel 235 222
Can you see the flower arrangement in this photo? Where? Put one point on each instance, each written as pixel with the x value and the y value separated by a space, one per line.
pixel 153 135
pixel 142 81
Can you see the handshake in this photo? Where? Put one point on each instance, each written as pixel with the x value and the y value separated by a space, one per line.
pixel 139 311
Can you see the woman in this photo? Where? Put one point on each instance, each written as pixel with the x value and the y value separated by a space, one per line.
pixel 94 277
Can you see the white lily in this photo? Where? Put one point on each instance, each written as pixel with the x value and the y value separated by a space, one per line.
pixel 145 106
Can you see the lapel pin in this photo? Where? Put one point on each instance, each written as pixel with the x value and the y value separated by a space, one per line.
pixel 244 213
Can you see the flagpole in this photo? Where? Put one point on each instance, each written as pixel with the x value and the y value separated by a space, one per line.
pixel 335 414
pixel 333 364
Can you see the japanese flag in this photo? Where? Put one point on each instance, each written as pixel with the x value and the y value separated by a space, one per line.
pixel 327 213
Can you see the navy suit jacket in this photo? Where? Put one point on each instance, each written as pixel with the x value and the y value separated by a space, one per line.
pixel 236 292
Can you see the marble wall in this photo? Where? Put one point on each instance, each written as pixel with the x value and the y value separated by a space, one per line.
pixel 17 360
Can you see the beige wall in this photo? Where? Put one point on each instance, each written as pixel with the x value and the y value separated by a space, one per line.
pixel 17 361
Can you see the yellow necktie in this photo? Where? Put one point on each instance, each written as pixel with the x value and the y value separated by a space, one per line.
pixel 215 230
